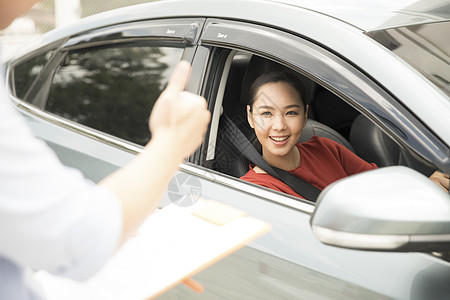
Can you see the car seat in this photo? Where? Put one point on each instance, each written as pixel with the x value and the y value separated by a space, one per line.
pixel 373 145
pixel 331 110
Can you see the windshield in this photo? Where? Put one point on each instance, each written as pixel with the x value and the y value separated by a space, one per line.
pixel 425 47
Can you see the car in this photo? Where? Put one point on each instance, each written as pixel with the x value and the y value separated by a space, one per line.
pixel 377 75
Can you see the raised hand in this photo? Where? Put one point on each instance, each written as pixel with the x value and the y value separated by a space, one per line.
pixel 179 115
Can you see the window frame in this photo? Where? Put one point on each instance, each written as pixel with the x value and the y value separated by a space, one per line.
pixel 341 78
pixel 182 32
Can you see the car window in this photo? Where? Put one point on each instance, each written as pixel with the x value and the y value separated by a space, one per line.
pixel 112 89
pixel 27 71
pixel 329 114
pixel 340 96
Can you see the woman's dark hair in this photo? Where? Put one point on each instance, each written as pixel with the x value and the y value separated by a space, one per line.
pixel 273 77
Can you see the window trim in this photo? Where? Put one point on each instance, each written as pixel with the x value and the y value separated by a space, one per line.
pixel 177 30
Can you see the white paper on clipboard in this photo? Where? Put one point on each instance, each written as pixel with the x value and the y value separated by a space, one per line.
pixel 173 244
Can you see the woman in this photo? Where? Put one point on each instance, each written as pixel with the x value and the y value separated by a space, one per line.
pixel 277 111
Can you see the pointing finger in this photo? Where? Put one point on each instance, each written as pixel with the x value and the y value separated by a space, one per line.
pixel 179 77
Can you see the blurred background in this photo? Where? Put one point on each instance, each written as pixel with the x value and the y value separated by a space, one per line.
pixel 50 14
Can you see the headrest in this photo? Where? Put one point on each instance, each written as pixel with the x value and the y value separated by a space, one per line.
pixel 313 128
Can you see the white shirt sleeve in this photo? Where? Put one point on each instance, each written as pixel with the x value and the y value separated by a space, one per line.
pixel 51 217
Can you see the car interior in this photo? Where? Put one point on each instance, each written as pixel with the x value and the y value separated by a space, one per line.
pixel 329 116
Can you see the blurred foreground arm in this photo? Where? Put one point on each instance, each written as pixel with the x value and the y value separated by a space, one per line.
pixel 178 123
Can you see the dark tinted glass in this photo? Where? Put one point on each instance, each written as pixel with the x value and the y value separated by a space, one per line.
pixel 425 47
pixel 112 89
pixel 26 72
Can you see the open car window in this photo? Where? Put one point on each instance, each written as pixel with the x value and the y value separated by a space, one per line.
pixel 332 115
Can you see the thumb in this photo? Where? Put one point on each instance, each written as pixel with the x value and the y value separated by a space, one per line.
pixel 179 77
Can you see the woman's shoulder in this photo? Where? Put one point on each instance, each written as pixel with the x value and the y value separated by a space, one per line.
pixel 262 179
pixel 252 174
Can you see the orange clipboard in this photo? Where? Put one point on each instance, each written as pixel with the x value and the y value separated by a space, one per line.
pixel 172 245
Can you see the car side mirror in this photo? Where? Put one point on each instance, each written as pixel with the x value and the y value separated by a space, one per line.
pixel 388 209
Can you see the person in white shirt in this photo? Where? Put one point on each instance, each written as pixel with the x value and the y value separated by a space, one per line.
pixel 52 218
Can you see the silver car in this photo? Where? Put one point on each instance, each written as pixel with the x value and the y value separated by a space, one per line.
pixel 378 79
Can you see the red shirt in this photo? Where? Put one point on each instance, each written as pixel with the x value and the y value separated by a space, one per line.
pixel 322 161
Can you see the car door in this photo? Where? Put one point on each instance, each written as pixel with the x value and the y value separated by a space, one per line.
pixel 288 262
pixel 89 96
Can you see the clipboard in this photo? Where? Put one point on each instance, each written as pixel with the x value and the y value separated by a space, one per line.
pixel 172 245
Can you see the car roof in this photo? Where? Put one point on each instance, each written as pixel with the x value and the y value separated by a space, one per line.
pixel 370 15
pixel 366 15
pixel 362 15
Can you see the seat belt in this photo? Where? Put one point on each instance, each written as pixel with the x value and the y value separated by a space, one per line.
pixel 240 141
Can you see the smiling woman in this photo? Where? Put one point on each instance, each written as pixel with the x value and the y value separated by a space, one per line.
pixel 277 111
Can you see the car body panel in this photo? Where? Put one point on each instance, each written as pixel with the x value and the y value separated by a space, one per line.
pixel 95 160
pixel 392 275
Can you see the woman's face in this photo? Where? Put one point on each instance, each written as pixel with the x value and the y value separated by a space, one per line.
pixel 278 117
